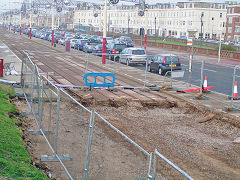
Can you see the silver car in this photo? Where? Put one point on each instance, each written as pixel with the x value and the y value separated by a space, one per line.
pixel 133 56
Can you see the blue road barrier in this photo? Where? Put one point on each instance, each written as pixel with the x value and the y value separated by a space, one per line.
pixel 95 83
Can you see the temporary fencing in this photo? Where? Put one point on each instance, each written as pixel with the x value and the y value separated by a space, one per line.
pixel 73 134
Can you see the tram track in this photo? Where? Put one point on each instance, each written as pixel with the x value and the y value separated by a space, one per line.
pixel 203 150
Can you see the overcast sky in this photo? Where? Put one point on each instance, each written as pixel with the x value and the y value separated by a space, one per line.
pixel 11 4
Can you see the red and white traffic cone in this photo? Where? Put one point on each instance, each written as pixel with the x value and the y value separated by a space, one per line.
pixel 235 92
pixel 205 82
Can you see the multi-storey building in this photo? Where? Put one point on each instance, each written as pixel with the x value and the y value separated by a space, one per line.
pixel 233 24
pixel 164 19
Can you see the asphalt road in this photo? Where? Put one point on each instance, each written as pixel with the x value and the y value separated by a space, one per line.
pixel 219 75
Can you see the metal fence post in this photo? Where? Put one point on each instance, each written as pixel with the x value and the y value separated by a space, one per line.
pixel 40 101
pixel 149 177
pixel 86 64
pixel 33 84
pixel 22 73
pixel 145 75
pixel 90 134
pixel 57 119
pixel 154 165
pixel 201 82
pixel 233 83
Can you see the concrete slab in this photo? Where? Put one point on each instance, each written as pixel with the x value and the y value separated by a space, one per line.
pixel 8 56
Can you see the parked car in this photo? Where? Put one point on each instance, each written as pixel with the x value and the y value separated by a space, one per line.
pixel 88 47
pixel 58 37
pixel 126 40
pixel 73 42
pixel 109 40
pixel 98 49
pixel 79 45
pixel 162 63
pixel 114 50
pixel 133 56
pixel 61 41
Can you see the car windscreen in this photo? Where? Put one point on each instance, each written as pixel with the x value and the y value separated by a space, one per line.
pixel 120 46
pixel 138 52
pixel 174 59
pixel 84 41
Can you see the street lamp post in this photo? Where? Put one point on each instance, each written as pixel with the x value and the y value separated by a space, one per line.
pixel 20 22
pixel 155 29
pixel 53 4
pixel 30 31
pixel 219 47
pixel 202 14
pixel 146 26
pixel 104 33
pixel 128 24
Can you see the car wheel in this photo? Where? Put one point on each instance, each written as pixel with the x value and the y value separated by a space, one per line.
pixel 149 68
pixel 117 58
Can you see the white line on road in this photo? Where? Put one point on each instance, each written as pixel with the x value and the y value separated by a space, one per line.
pixel 209 70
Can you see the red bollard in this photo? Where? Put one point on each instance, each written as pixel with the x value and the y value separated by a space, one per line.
pixel 67 46
pixel 1 67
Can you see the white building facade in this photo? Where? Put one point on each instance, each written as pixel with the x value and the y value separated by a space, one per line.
pixel 165 19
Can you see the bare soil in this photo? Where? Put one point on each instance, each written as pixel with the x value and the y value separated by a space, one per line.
pixel 204 150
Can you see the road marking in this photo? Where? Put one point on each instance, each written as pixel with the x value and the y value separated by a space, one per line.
pixel 210 70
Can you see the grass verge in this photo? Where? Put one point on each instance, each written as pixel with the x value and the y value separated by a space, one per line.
pixel 15 162
pixel 179 44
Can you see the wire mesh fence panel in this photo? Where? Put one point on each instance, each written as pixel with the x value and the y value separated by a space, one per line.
pixel 28 76
pixel 112 156
pixel 49 111
pixel 165 169
pixel 36 97
pixel 72 135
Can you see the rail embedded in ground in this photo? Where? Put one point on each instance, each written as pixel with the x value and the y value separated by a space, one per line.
pixel 46 101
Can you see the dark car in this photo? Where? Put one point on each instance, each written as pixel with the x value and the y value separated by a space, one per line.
pixel 88 47
pixel 126 40
pixel 162 63
pixel 98 50
pixel 114 50
pixel 80 44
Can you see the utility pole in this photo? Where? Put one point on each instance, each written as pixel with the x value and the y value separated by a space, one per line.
pixel 202 14
pixel 155 29
pixel 146 26
pixel 104 33
pixel 20 22
pixel 53 4
pixel 128 23
pixel 30 32
pixel 219 48
pixel 100 14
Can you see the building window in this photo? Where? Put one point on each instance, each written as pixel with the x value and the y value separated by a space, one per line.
pixel 183 23
pixel 229 38
pixel 237 28
pixel 230 20
pixel 232 10
pixel 207 36
pixel 229 29
pixel 220 15
pixel 236 38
